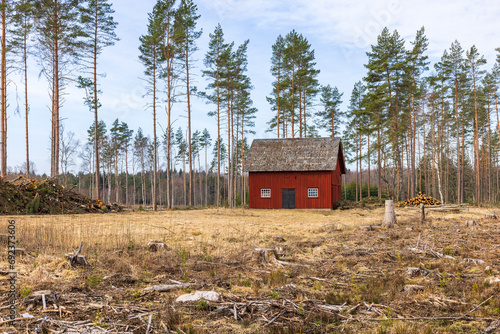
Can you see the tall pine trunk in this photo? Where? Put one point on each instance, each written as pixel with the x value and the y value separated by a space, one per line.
pixel 96 117
pixel 126 175
pixel 155 146
pixel 190 158
pixel 476 141
pixel 459 167
pixel 26 105
pixel 218 141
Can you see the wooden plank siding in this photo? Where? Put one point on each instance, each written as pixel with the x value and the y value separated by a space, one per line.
pixel 298 164
pixel 327 182
pixel 336 184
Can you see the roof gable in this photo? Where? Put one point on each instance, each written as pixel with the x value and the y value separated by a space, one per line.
pixel 295 154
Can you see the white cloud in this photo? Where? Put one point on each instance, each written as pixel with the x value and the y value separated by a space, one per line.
pixel 356 24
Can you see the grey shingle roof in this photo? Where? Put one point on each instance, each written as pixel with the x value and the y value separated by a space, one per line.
pixel 294 154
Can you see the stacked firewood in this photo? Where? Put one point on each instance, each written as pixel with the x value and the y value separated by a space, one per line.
pixel 29 196
pixel 420 198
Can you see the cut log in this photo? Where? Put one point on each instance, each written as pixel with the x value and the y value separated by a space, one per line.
pixel 422 213
pixel 490 216
pixel 390 214
pixel 475 261
pixel 167 287
pixel 211 296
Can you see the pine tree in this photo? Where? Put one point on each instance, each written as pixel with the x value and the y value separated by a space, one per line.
pixel 126 137
pixel 101 135
pixel 98 28
pixel 474 62
pixel 187 36
pixel 417 63
pixel 182 151
pixel 140 146
pixel 458 82
pixel 116 145
pixel 58 48
pixel 277 70
pixel 151 53
pixel 386 69
pixel 205 143
pixel 215 60
pixel 5 11
pixel 495 73
pixel 330 118
pixel 196 149
pixel 22 20
pixel 169 53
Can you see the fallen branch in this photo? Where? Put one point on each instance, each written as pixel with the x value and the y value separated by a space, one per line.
pixel 475 308
pixel 168 287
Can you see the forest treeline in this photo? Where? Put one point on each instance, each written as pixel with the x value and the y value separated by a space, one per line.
pixel 409 127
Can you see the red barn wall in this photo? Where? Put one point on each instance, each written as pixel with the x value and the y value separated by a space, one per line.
pixel 327 182
pixel 336 184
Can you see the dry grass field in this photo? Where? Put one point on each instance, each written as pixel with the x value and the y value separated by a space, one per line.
pixel 328 275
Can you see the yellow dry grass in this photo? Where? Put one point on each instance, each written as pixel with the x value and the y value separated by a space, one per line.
pixel 223 228
pixel 328 244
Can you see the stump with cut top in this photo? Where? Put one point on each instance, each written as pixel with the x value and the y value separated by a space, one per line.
pixel 390 214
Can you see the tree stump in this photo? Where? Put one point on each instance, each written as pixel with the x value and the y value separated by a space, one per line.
pixel 77 258
pixel 422 213
pixel 471 223
pixel 390 214
pixel 154 246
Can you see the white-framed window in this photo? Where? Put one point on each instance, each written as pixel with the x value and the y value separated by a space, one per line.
pixel 312 192
pixel 265 193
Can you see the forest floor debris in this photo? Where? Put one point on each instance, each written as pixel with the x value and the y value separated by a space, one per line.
pixel 435 278
pixel 30 196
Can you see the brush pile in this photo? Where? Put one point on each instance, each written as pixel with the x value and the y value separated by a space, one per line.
pixel 29 196
pixel 420 198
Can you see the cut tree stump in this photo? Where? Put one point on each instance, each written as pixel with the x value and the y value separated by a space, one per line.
pixel 37 297
pixel 269 255
pixel 77 258
pixel 155 246
pixel 422 213
pixel 471 223
pixel 390 214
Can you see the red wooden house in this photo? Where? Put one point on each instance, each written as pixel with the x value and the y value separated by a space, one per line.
pixel 302 173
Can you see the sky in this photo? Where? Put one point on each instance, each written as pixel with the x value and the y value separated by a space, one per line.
pixel 340 32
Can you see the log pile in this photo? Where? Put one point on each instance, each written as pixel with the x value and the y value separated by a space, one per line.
pixel 29 196
pixel 420 198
